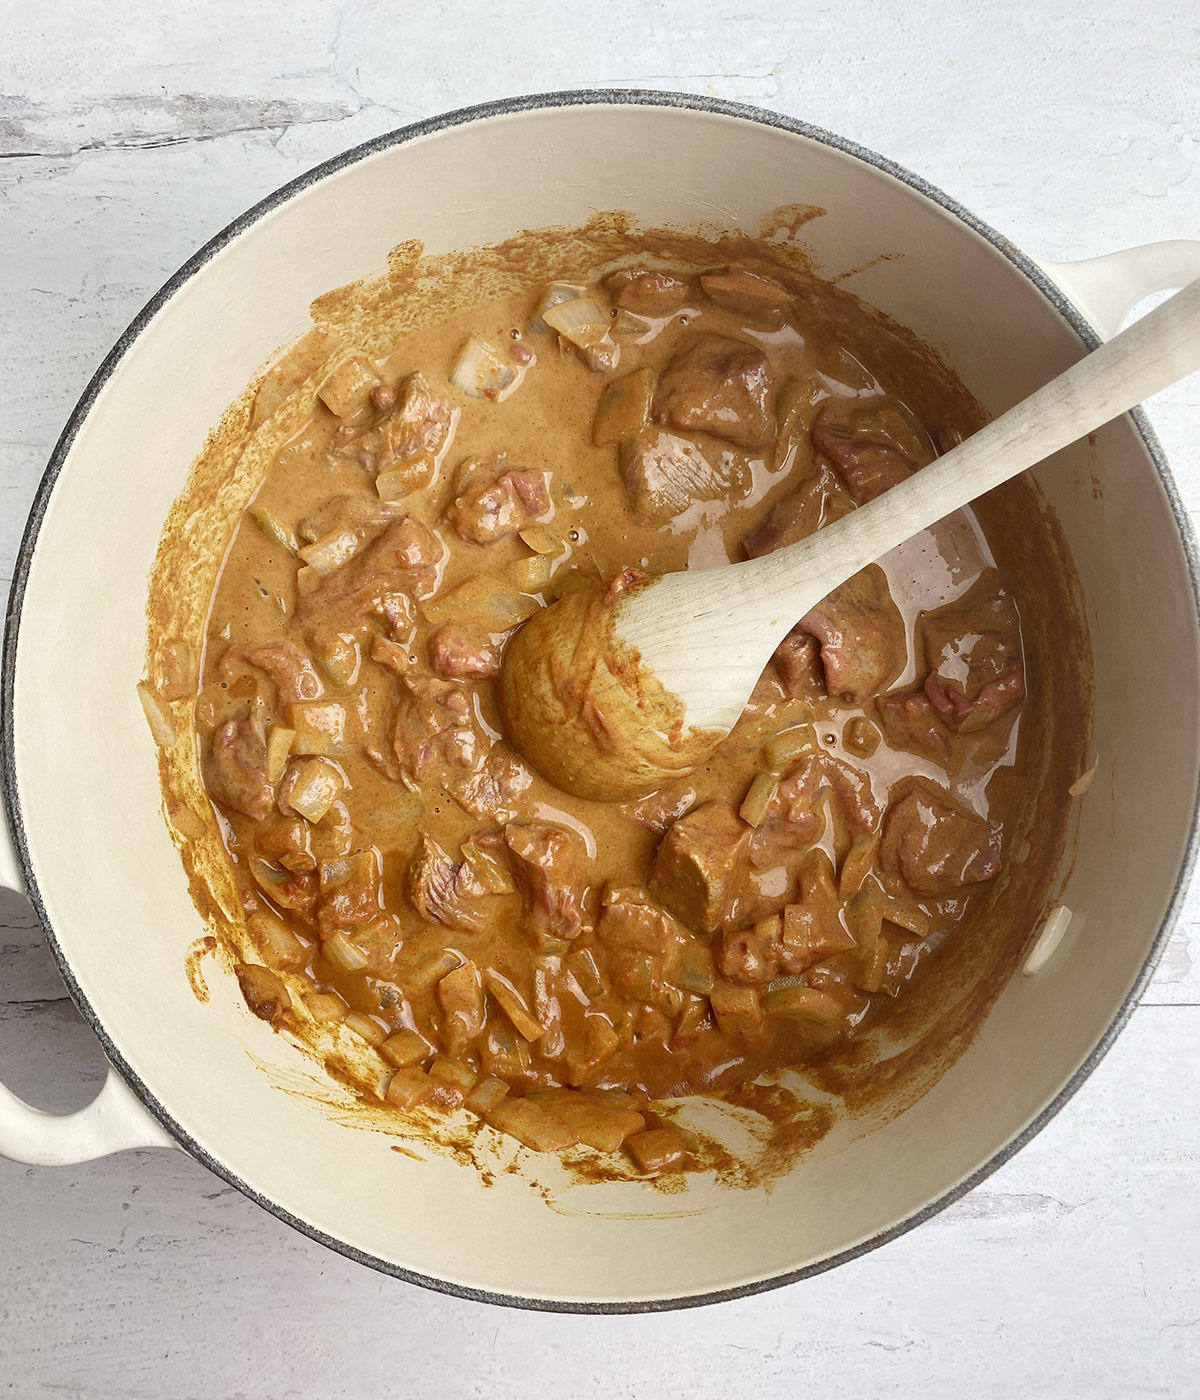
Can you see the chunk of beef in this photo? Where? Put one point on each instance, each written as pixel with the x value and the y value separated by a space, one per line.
pixel 745 292
pixel 629 920
pixel 973 650
pixel 799 514
pixel 409 435
pixel 464 650
pixel 700 864
pixel 435 724
pixel 790 942
pixel 910 722
pixel 873 446
pixel 460 994
pixel 287 842
pixel 665 474
pixel 354 512
pixel 446 891
pixel 549 873
pixel 797 662
pixel 812 928
pixel 720 386
pixel 664 806
pixel 976 674
pixel 863 645
pixel 935 848
pixel 349 892
pixel 418 551
pixel 490 506
pixel 293 674
pixel 405 562
pixel 235 772
pixel 647 293
pixel 494 789
pixel 750 955
pixel 794 819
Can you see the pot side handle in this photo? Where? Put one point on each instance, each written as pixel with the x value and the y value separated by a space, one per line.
pixel 113 1121
pixel 1107 288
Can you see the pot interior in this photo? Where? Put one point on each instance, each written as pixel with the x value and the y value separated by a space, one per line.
pixel 109 879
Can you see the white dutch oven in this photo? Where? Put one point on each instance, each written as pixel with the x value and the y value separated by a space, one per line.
pixel 90 848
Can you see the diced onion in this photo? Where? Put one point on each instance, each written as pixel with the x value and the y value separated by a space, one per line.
pixel 404 1048
pixel 179 670
pixel 582 966
pixel 390 654
pixel 512 1003
pixel 340 659
pixel 276 941
pixel 331 551
pixel 580 321
pixel 491 873
pixel 433 971
pixel 316 788
pixel 1082 783
pixel 320 726
pixel 803 1004
pixel 343 954
pixel 325 1007
pixel 533 574
pixel 758 799
pixel 362 868
pixel 279 748
pixel 907 916
pixel 1047 941
pixel 158 716
pixel 656 1150
pixel 481 373
pixel 274 529
pixel 857 864
pixel 281 885
pixel 391 486
pixel 348 385
pixel 625 323
pixel 409 1087
pixel 370 1031
pixel 532 1126
pixel 693 971
pixel 540 540
pixel 486 1095
pixel 782 749
pixel 451 1072
pixel 554 295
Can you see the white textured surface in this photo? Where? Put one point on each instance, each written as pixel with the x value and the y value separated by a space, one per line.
pixel 129 134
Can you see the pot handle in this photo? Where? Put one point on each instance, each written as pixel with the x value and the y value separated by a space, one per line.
pixel 1107 288
pixel 113 1121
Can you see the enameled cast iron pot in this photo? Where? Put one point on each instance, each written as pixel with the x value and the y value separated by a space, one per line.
pixel 90 848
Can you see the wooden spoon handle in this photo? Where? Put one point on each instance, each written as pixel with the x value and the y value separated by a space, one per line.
pixel 703 633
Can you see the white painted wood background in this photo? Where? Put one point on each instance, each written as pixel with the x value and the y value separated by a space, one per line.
pixel 129 134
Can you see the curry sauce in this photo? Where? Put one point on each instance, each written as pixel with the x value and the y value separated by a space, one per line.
pixel 556 963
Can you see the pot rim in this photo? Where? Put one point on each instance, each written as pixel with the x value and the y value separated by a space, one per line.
pixel 615 97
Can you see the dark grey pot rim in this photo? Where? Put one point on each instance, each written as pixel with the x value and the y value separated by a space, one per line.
pixel 8 781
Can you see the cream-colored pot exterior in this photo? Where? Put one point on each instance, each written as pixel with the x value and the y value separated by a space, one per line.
pixel 82 786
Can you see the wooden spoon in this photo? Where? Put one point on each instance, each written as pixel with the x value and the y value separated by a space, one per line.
pixel 703 638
